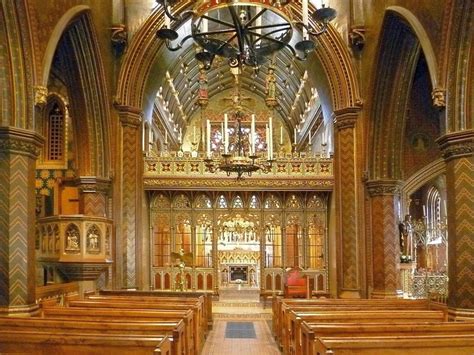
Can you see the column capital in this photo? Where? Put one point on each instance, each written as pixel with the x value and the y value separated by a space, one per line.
pixel 92 184
pixel 129 116
pixel 41 95
pixel 346 117
pixel 384 187
pixel 20 141
pixel 457 144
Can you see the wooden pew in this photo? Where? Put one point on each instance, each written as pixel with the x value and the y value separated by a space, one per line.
pixel 311 331
pixel 292 329
pixel 41 342
pixel 197 303
pixel 280 306
pixel 406 345
pixel 121 315
pixel 207 298
pixel 147 305
pixel 54 326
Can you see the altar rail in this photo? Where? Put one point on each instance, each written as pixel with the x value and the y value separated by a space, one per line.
pixel 195 279
pixel 185 170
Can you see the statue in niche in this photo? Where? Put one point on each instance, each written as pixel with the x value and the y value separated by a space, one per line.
pixel 72 240
pixel 203 93
pixel 404 228
pixel 270 88
pixel 92 240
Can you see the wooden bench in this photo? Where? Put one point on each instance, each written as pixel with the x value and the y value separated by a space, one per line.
pixel 282 306
pixel 44 343
pixel 406 345
pixel 207 314
pixel 120 315
pixel 311 331
pixel 292 328
pixel 196 303
pixel 147 305
pixel 53 327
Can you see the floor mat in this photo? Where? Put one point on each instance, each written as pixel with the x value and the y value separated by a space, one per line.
pixel 240 330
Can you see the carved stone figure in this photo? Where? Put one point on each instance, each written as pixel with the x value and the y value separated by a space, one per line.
pixel 72 240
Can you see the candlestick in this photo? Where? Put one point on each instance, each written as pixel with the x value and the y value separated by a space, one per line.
pixel 267 136
pixel 252 135
pixel 226 134
pixel 305 19
pixel 166 137
pixel 208 141
pixel 309 138
pixel 281 135
pixel 270 129
pixel 167 19
pixel 295 136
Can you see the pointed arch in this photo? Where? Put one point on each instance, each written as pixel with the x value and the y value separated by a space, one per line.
pixel 74 39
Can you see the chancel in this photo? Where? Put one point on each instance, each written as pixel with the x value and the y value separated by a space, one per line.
pixel 170 168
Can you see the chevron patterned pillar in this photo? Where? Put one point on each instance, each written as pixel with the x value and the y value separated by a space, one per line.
pixel 458 152
pixel 93 195
pixel 385 196
pixel 18 153
pixel 347 190
pixel 130 190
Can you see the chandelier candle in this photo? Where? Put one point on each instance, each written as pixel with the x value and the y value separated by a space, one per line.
pixel 226 135
pixel 208 131
pixel 252 135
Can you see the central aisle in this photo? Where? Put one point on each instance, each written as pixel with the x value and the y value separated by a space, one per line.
pixel 241 325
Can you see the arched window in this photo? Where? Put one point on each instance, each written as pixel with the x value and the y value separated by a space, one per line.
pixel 55 147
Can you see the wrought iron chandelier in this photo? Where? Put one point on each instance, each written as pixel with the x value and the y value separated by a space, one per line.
pixel 239 156
pixel 245 32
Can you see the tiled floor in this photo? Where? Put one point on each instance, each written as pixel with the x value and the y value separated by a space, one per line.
pixel 234 306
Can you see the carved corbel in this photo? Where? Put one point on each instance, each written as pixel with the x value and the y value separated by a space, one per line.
pixel 357 38
pixel 119 39
pixel 41 96
pixel 438 96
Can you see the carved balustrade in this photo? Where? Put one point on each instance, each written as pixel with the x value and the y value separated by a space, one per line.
pixel 289 171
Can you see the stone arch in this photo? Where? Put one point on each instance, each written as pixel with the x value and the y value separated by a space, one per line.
pixel 425 42
pixel 75 36
pixel 399 51
pixel 58 31
pixel 137 64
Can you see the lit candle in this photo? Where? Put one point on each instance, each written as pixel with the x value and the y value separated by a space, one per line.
pixel 208 142
pixel 309 137
pixel 166 137
pixel 305 19
pixel 270 131
pixel 281 135
pixel 295 135
pixel 167 19
pixel 267 136
pixel 252 135
pixel 226 134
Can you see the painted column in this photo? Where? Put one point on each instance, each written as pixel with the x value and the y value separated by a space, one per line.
pixel 458 152
pixel 347 190
pixel 18 152
pixel 384 200
pixel 130 189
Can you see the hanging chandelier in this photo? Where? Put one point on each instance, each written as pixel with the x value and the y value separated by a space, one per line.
pixel 244 32
pixel 239 156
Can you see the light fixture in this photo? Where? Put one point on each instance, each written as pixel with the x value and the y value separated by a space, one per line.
pixel 239 155
pixel 245 32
